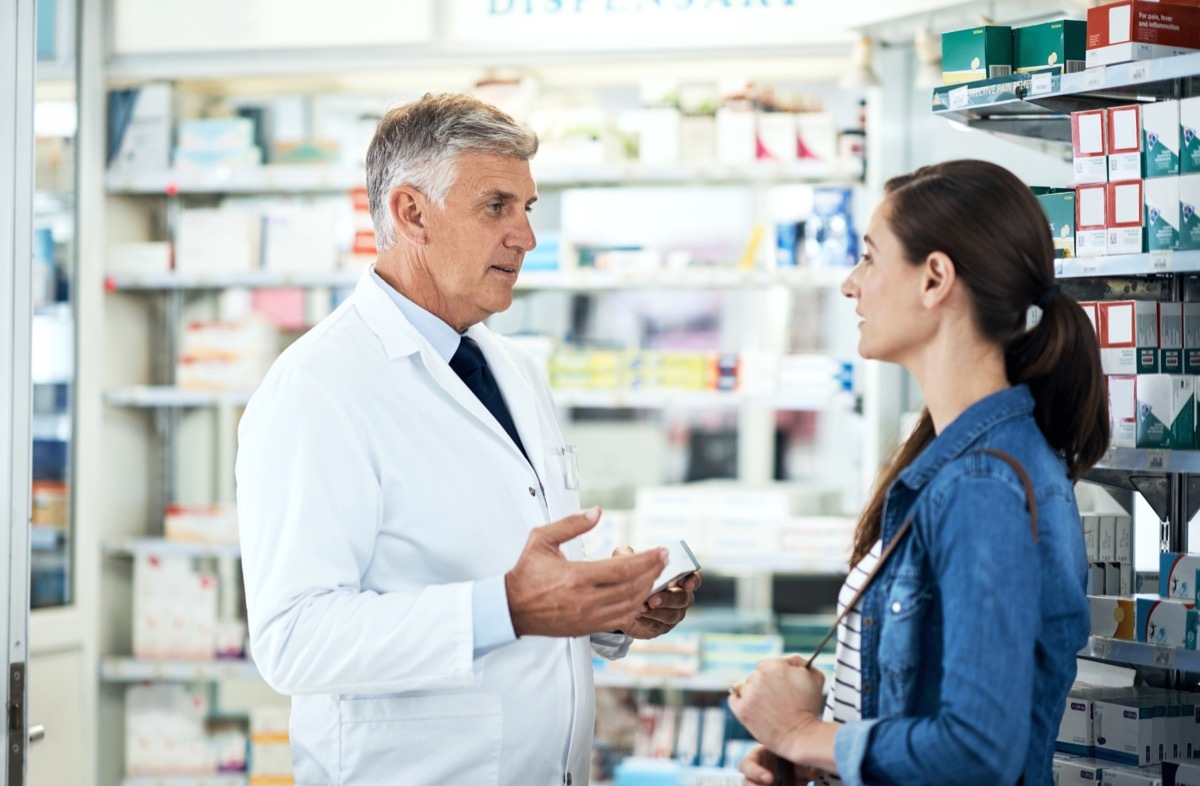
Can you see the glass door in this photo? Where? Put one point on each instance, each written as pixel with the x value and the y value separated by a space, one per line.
pixel 16 180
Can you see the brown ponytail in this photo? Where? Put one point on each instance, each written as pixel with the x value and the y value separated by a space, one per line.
pixel 992 227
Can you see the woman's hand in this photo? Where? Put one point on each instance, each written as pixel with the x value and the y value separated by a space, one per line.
pixel 760 765
pixel 778 702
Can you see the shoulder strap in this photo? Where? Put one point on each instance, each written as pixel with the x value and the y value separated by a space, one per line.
pixel 905 527
pixel 1030 497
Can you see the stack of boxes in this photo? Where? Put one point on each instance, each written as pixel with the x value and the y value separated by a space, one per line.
pixel 991 51
pixel 1150 354
pixel 270 749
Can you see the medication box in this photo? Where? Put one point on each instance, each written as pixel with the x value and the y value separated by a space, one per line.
pixel 1060 45
pixel 1161 197
pixel 1122 408
pixel 1091 215
pixel 1134 30
pixel 1177 575
pixel 1162 620
pixel 1170 338
pixel 976 53
pixel 1060 213
pixel 1191 338
pixel 1089 146
pixel 1189 204
pixel 1113 617
pixel 1189 144
pixel 1160 139
pixel 1124 729
pixel 1124 143
pixel 1154 405
pixel 1129 336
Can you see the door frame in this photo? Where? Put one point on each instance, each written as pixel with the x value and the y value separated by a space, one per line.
pixel 17 58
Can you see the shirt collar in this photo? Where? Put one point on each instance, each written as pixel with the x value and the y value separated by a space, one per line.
pixel 443 338
pixel 1009 404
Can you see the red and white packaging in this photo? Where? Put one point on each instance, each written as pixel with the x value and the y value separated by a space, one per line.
pixel 1135 30
pixel 1091 218
pixel 1124 143
pixel 1089 146
pixel 1125 218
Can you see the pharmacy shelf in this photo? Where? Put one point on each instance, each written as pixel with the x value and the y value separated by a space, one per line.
pixel 1039 105
pixel 1155 262
pixel 162 397
pixel 572 281
pixel 1138 653
pixel 159 397
pixel 700 399
pixel 117 669
pixel 186 780
pixel 259 279
pixel 317 178
pixel 609 677
pixel 1144 460
pixel 170 548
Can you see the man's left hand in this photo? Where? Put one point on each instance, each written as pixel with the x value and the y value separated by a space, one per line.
pixel 662 611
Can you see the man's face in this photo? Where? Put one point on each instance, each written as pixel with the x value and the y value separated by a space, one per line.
pixel 476 243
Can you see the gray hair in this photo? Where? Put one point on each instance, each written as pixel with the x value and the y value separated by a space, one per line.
pixel 417 144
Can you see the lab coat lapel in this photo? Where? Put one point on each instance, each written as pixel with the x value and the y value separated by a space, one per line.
pixel 401 339
pixel 521 399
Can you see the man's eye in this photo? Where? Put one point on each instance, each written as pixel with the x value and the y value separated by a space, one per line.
pixel 496 207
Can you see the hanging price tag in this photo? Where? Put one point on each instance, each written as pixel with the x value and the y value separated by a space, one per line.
pixel 1101 648
pixel 1041 84
pixel 958 98
pixel 1093 78
pixel 1164 657
pixel 1139 72
pixel 1158 460
pixel 1161 262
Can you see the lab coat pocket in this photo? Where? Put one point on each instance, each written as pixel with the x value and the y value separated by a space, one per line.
pixel 426 740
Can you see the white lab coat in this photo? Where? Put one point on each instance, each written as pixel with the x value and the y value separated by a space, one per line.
pixel 373 490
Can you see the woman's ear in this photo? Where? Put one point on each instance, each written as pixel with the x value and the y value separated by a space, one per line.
pixel 939 279
pixel 409 210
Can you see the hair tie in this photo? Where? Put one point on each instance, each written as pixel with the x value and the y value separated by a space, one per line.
pixel 1044 299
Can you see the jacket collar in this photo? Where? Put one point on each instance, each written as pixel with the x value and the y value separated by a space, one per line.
pixel 400 338
pixel 1010 404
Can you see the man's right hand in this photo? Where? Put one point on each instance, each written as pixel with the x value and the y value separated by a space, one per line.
pixel 549 595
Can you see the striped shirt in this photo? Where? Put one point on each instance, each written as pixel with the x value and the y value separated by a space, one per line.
pixel 844 701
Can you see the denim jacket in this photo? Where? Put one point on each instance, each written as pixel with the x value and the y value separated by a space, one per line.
pixel 970 630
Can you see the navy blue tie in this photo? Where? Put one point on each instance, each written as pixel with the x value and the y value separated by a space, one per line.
pixel 468 362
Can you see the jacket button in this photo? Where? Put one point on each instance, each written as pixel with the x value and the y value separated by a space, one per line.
pixel 866 688
pixel 532 492
pixel 868 622
pixel 567 780
pixel 896 607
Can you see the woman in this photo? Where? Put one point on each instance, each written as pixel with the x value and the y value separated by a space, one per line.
pixel 955 667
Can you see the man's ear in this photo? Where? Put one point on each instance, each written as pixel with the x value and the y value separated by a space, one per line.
pixel 409 209
pixel 938 281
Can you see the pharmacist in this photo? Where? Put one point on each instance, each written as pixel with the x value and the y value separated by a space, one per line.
pixel 397 474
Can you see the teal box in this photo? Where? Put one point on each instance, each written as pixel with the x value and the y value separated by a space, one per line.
pixel 1160 139
pixel 1162 210
pixel 1060 45
pixel 1189 212
pixel 1060 212
pixel 976 53
pixel 1189 135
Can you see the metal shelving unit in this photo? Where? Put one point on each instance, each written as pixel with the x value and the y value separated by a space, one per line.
pixel 715 683
pixel 125 669
pixel 170 548
pixel 186 780
pixel 567 281
pixel 166 397
pixel 317 178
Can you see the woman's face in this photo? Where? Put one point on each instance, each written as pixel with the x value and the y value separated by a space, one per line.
pixel 888 289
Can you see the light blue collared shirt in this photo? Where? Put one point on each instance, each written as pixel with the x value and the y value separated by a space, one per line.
pixel 491 621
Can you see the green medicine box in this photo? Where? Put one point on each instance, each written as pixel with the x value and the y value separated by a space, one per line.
pixel 1060 45
pixel 976 53
pixel 1060 212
